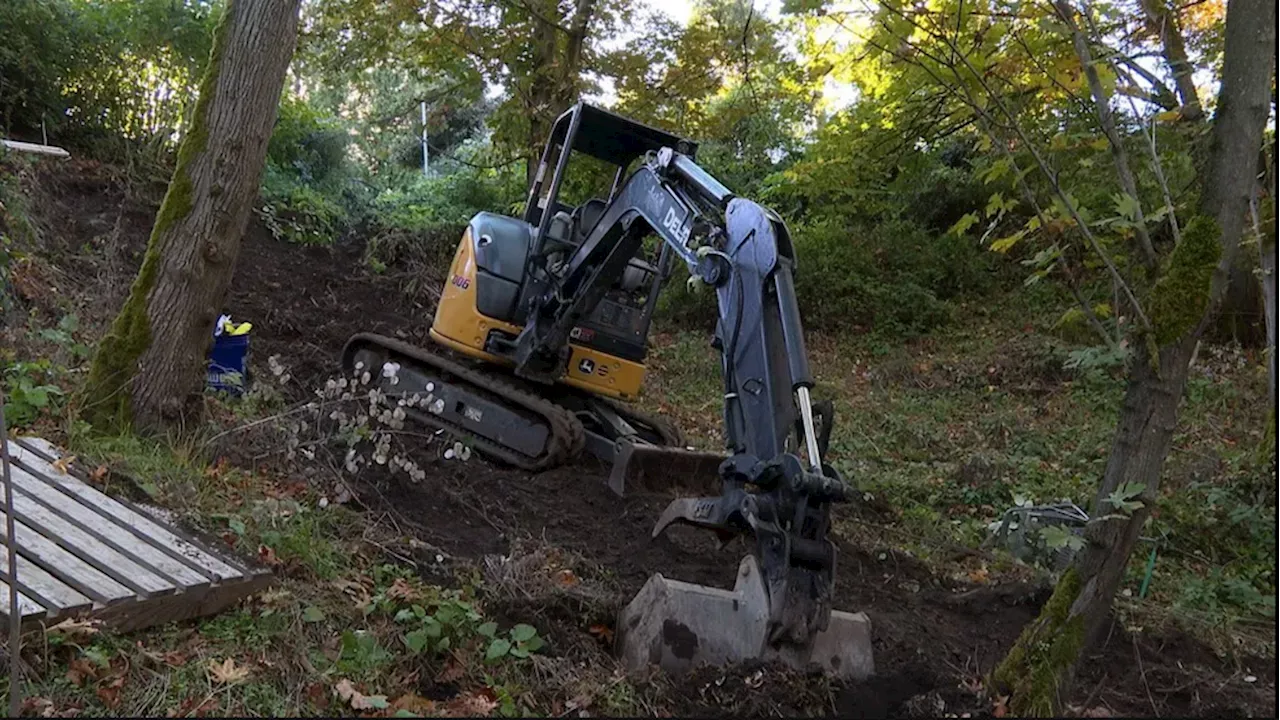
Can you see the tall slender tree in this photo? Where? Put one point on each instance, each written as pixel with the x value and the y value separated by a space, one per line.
pixel 151 359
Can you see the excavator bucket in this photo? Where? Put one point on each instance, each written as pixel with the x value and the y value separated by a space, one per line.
pixel 678 626
pixel 639 465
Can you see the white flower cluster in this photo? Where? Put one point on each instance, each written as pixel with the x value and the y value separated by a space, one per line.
pixel 366 411
pixel 280 372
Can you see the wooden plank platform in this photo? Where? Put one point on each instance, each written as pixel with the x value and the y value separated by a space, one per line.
pixel 82 552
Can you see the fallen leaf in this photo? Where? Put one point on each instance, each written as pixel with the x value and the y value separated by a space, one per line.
pixel 1000 707
pixel 80 670
pixel 603 632
pixel 414 704
pixel 98 474
pixel 1101 711
pixel 267 555
pixel 61 464
pixel 36 705
pixel 227 672
pixel 566 578
pixel 357 700
pixel 110 696
pixel 188 708
pixel 316 694
pixel 401 590
pixel 472 704
pixel 229 538
pixel 979 576
pixel 175 658
pixel 72 628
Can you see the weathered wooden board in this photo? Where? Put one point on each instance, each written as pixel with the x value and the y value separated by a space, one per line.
pixel 81 552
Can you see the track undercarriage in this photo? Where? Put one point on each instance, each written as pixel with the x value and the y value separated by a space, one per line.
pixel 529 426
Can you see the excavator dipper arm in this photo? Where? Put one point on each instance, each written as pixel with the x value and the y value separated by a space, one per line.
pixel 747 256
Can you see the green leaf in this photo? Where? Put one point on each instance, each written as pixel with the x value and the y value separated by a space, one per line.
pixel 534 644
pixel 995 204
pixel 519 652
pixel 497 649
pixel 998 169
pixel 965 222
pixel 312 614
pixel 523 633
pixel 1123 498
pixel 416 640
pixel 1004 244
pixel 443 644
pixel 1056 537
pixel 404 615
pixel 402 713
pixel 376 702
pixel 488 629
pixel 236 525
pixel 1126 205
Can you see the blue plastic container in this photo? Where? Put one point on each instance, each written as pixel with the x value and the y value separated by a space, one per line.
pixel 227 364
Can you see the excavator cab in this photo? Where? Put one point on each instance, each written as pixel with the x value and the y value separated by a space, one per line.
pixel 482 309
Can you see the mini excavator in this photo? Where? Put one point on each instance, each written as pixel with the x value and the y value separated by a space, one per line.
pixel 544 322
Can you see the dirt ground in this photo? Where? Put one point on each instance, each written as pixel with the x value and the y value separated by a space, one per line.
pixel 931 649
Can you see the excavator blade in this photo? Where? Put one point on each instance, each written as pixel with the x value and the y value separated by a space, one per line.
pixel 678 626
pixel 638 465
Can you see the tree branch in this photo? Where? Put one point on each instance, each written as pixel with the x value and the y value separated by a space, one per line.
pixel 1048 173
pixel 1165 22
pixel 1103 107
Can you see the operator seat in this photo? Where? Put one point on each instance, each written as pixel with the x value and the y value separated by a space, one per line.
pixel 588 214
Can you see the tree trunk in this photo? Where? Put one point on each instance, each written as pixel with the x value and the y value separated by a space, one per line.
pixel 1265 228
pixel 1164 22
pixel 153 357
pixel 1039 669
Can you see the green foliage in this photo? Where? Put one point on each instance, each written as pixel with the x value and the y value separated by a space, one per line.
pixel 1180 296
pixel 101 74
pixel 28 391
pixel 40 46
pixel 451 622
pixel 306 143
pixel 299 213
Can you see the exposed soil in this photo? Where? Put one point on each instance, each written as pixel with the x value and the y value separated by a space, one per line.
pixel 930 650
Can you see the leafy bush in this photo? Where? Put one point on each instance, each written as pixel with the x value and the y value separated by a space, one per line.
pixel 28 391
pixel 300 213
pixel 306 144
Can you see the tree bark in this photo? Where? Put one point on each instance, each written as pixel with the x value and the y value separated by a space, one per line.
pixel 1164 21
pixel 554 84
pixel 152 359
pixel 1039 669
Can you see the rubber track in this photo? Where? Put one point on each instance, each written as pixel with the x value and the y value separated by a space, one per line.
pixel 566 438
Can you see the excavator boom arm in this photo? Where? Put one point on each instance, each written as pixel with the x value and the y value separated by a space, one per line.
pixel 766 490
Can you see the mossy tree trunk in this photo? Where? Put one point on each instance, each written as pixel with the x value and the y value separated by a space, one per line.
pixel 1039 669
pixel 152 358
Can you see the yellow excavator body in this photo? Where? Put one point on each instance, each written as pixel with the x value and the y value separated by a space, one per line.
pixel 460 326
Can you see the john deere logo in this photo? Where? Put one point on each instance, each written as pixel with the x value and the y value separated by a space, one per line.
pixel 586 366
